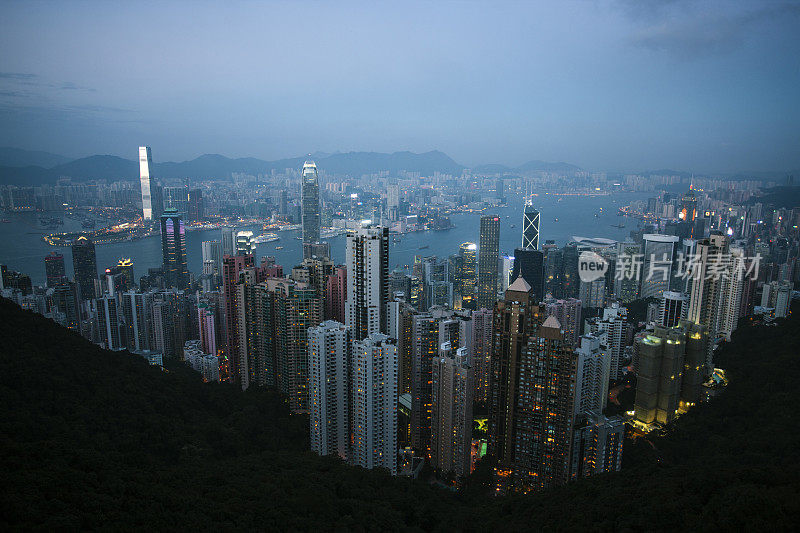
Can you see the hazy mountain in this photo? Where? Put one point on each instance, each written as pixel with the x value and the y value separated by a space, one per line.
pixel 491 168
pixel 218 166
pixel 544 166
pixel 16 157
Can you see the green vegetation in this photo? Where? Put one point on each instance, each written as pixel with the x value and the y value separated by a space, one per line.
pixel 92 439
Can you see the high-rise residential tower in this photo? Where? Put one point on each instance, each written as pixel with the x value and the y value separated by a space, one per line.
pixel 466 275
pixel 451 410
pixel 367 260
pixel 309 199
pixel 488 261
pixel 173 249
pixel 657 264
pixel 54 269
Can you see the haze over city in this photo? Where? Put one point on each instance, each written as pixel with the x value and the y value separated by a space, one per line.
pixel 619 86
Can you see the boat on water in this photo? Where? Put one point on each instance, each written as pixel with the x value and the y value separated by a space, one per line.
pixel 555 220
pixel 279 247
pixel 424 247
pixel 618 226
pixel 266 237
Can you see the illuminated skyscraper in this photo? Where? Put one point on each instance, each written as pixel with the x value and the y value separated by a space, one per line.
pixel 488 261
pixel 309 199
pixel 467 268
pixel 657 265
pixel 530 226
pixel 245 243
pixel 173 249
pixel 451 411
pixel 152 204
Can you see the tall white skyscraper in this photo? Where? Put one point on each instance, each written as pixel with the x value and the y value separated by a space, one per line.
pixel 530 226
pixel 707 283
pixel 212 251
pixel 228 240
pixel 367 259
pixel 152 204
pixel 329 361
pixel 374 409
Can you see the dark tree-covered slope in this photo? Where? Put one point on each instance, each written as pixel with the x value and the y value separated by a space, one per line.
pixel 91 438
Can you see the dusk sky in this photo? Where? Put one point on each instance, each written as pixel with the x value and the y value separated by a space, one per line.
pixel 694 86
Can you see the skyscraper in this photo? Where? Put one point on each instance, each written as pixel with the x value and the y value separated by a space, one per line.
pixel 657 264
pixel 481 353
pixel 309 198
pixel 54 269
pixel 708 281
pixel 488 261
pixel 568 314
pixel 374 408
pixel 673 309
pixel 84 264
pixel 530 227
pixel 367 259
pixel 137 312
pixel 329 362
pixel 232 267
pixel 245 243
pixel 212 251
pixel 529 264
pixel 451 410
pixel 173 249
pixel 467 269
pixel 152 204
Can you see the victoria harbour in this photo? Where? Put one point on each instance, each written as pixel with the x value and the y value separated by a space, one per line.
pixel 22 247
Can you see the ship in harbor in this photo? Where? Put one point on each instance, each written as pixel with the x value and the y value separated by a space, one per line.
pixel 266 237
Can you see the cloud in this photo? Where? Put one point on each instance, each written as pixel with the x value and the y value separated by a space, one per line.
pixel 689 30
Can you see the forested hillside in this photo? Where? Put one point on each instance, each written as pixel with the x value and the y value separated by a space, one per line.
pixel 92 439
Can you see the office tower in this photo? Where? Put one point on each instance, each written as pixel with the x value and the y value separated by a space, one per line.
pixel 481 353
pixel 516 318
pixel 451 411
pixel 67 302
pixel 309 198
pixel 125 267
pixel 688 212
pixel 137 313
pixel 152 201
pixel 506 268
pixel 568 314
pixel 173 249
pixel 627 273
pixel 543 421
pixel 488 257
pixel 54 269
pixel 232 267
pixel 399 285
pixel 592 294
pixel 176 198
pixel 657 264
pixel 207 327
pixel 245 243
pixel 212 251
pixel 570 280
pixel 529 264
pixel 597 445
pixel 329 360
pixel 119 278
pixel 108 323
pixel 195 210
pixel 662 359
pixel 425 335
pixel 374 408
pixel 435 274
pixel 393 202
pixel 593 367
pixel 84 264
pixel 553 270
pixel 612 327
pixel 316 250
pixel 228 240
pixel 367 258
pixel 530 226
pixel 335 295
pixel 468 264
pixel 674 307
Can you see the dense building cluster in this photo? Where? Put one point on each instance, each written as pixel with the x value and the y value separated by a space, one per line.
pixel 394 367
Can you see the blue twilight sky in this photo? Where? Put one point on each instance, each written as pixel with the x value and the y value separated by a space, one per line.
pixel 626 85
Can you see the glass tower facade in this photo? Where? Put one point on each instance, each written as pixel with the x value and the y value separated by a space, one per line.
pixel 310 204
pixel 488 261
pixel 173 248
pixel 84 263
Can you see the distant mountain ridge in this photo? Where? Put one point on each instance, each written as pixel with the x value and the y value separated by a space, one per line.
pixel 17 157
pixel 531 166
pixel 110 167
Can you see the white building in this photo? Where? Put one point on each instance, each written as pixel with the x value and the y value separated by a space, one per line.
pixel 374 409
pixel 592 375
pixel 656 273
pixel 329 360
pixel 613 331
